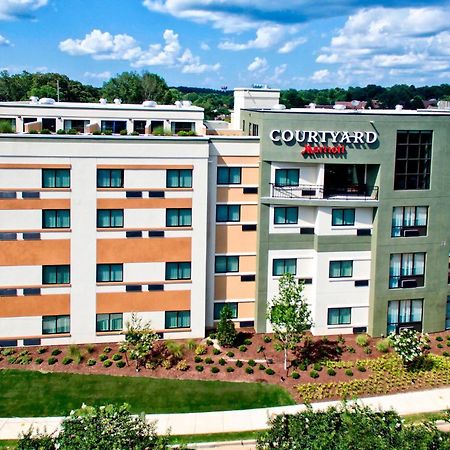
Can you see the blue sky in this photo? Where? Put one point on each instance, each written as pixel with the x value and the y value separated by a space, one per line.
pixel 211 43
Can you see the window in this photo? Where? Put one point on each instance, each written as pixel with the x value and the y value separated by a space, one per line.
pixel 178 319
pixel 78 125
pixel 288 215
pixel 179 178
pixel 49 124
pixel 341 269
pixel 56 218
pixel 178 217
pixel 404 313
pixel 229 175
pixel 109 322
pixel 339 316
pixel 182 126
pixel 342 217
pixel 139 126
pixel 110 218
pixel 282 266
pixel 228 213
pixel 178 270
pixel 109 272
pixel 413 160
pixel 113 126
pixel 287 177
pixel 109 178
pixel 55 178
pixel 55 324
pixel 227 264
pixel 447 314
pixel 409 221
pixel 56 274
pixel 406 270
pixel 157 126
pixel 219 306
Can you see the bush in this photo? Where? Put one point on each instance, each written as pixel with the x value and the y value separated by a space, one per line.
pixel 242 348
pixel 239 363
pixel 362 340
pixel 200 349
pixel 97 133
pixel 230 354
pixel 303 365
pixel 440 345
pixel 90 348
pixel 67 360
pixel 182 365
pixel 439 338
pixel 314 374
pixel 295 375
pixel 56 352
pixel 121 364
pixel 230 369
pixel 107 363
pixel 367 350
pixel 198 359
pixel 317 367
pixel 209 360
pixel 260 349
pixel 251 363
pixel 351 349
pixel 267 339
pixel 72 131
pixel 91 362
pixel 270 371
pixel 11 359
pixel 247 341
pixel 222 362
pixel 52 360
pixel 226 331
pixel 341 339
pixel 262 367
pixel 216 351
pixel 361 368
pixel 383 346
pixel 108 132
pixel 215 369
pixel 209 342
pixel 45 131
pixel 6 127
pixel 249 370
pixel 116 357
pixel 123 132
pixel 107 350
pixel 199 368
pixel 212 335
pixel 410 346
pixel 331 372
pixel 60 131
pixel 33 132
pixel 102 357
pixel 349 372
pixel 38 361
pixel 134 133
pixel 41 350
pixel 446 354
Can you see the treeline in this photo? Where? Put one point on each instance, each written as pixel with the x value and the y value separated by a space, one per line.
pixel 133 87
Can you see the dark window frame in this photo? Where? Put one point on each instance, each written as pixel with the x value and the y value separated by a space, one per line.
pixel 178 217
pixel 407 322
pixel 110 212
pixel 336 211
pixel 122 174
pixel 287 170
pixel 60 271
pixel 228 209
pixel 227 258
pixel 57 213
pixel 218 306
pixel 340 320
pixel 285 208
pixel 110 266
pixel 179 178
pixel 340 262
pixel 110 328
pixel 227 170
pixel 178 319
pixel 55 171
pixel 179 271
pixel 56 318
pixel 284 265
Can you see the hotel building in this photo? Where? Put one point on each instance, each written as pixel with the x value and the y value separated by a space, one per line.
pixel 94 227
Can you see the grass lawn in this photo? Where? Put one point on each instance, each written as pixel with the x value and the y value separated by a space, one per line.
pixel 214 437
pixel 32 394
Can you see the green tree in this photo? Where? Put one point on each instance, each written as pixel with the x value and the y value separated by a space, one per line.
pixel 289 314
pixel 127 86
pixel 154 87
pixel 226 332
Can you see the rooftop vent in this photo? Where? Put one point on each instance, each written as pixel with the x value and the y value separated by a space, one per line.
pixel 178 104
pixel 398 107
pixel 149 104
pixel 187 103
pixel 117 101
pixel 279 107
pixel 339 107
pixel 34 100
pixel 103 101
pixel 46 101
pixel 312 106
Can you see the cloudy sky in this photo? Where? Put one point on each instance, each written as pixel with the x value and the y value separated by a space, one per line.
pixel 212 43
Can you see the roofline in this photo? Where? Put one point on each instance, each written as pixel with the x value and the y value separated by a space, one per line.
pixel 361 112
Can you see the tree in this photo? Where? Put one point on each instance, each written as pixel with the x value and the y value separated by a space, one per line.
pixel 289 314
pixel 126 86
pixel 108 427
pixel 226 332
pixel 154 87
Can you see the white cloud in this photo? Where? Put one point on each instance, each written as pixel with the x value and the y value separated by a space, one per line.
pixel 258 65
pixel 12 9
pixel 266 36
pixel 204 46
pixel 4 41
pixel 321 76
pixel 387 44
pixel 105 46
pixel 98 75
pixel 289 46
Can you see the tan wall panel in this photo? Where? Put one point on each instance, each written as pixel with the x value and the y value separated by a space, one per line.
pixel 143 301
pixel 237 160
pixel 250 175
pixel 143 203
pixel 234 195
pixel 246 310
pixel 39 305
pixel 143 250
pixel 50 203
pixel 249 213
pixel 231 287
pixel 34 253
pixel 231 239
pixel 247 264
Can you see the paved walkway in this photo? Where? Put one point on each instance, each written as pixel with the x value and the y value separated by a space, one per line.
pixel 249 419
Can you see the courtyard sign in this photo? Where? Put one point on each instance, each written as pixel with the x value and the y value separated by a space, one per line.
pixel 325 136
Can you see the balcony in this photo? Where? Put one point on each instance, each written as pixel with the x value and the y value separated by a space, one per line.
pixel 308 191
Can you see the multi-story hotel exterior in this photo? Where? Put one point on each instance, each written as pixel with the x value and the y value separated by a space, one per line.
pixel 96 227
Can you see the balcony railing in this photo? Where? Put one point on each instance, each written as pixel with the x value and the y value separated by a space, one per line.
pixel 360 192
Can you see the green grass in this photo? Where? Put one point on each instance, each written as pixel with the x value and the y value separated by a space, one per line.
pixel 214 437
pixel 8 445
pixel 35 394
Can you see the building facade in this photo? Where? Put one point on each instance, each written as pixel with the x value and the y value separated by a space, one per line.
pixel 139 209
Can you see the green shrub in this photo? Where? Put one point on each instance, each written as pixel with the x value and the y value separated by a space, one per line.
pixel 116 357
pixel 247 341
pixel 121 364
pixel 361 368
pixel 239 363
pixel 215 369
pixel 303 366
pixel 209 342
pixel 97 133
pixel 123 132
pixel 134 133
pixel 209 360
pixel 325 340
pixel 367 350
pixel 52 360
pixel 102 357
pixel 295 375
pixel 216 351
pixel 351 349
pixel 267 339
pixel 198 359
pixel 199 368
pixel 230 354
pixel 67 360
pixel 383 345
pixel 262 367
pixel 251 363
pixel 362 340
pixel 447 354
pixel 24 358
pixel 56 352
pixel 222 362
pixel 270 371
pixel 317 367
pixel 108 132
pixel 107 350
pixel 230 369
pixel 226 330
pixel 61 131
pixel 349 372
pixel 158 131
pixel 314 374
pixel 38 361
pixel 242 348
pixel 33 132
pixel 8 351
pixel 331 372
pixel 439 338
pixel 249 370
pixel 90 348
pixel 11 359
pixel 72 131
pixel 440 345
pixel 6 127
pixel 91 362
pixel 260 349
pixel 182 365
pixel 41 350
pixel 45 131
pixel 448 343
pixel 212 335
pixel 341 339
pixel 200 349
pixel 107 363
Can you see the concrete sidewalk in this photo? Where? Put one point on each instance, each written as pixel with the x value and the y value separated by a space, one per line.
pixel 249 419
